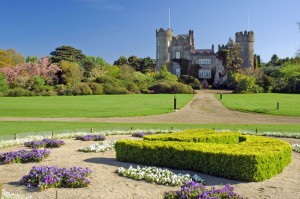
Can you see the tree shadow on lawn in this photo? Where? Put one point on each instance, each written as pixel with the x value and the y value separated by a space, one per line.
pixel 210 180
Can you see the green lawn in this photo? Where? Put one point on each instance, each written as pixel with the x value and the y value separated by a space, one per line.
pixel 23 129
pixel 94 106
pixel 289 104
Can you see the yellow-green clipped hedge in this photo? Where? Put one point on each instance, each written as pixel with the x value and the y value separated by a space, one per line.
pixel 241 157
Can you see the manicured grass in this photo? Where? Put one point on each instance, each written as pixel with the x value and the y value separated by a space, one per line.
pixel 94 106
pixel 23 129
pixel 289 104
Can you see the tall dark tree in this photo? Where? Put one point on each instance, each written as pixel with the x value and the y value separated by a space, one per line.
pixel 67 53
pixel 121 61
pixel 231 59
pixel 146 65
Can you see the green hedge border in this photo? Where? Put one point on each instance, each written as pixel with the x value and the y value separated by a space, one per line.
pixel 253 158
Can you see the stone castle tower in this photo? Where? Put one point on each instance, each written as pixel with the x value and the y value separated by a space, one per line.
pixel 246 41
pixel 163 42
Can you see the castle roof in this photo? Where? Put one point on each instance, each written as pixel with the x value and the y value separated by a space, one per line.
pixel 182 35
pixel 202 51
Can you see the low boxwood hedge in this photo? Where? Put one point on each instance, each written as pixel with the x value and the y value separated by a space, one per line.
pixel 243 157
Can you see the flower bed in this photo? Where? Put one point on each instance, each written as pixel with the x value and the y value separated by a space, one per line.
pixel 45 143
pixel 194 190
pixel 141 134
pixel 159 176
pixel 99 147
pixel 45 177
pixel 91 137
pixel 23 156
pixel 296 147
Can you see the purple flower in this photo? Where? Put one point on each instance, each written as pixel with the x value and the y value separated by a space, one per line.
pixel 194 190
pixel 45 143
pixel 48 177
pixel 91 137
pixel 23 156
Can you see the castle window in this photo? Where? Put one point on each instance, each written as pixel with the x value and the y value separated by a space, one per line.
pixel 168 43
pixel 169 56
pixel 177 72
pixel 204 61
pixel 157 42
pixel 204 73
pixel 177 55
pixel 157 55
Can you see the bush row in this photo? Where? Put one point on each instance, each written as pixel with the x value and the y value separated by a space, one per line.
pixel 255 158
pixel 83 88
pixel 194 135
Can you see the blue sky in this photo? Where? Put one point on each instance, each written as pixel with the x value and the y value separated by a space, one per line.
pixel 112 28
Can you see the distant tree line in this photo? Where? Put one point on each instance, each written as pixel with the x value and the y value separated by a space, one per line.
pixel 67 71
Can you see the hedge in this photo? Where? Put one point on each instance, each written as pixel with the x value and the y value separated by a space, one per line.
pixel 252 158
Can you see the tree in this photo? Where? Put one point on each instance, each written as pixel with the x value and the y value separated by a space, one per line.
pixel 71 73
pixel 5 58
pixel 3 84
pixel 122 60
pixel 17 58
pixel 164 74
pixel 291 72
pixel 32 59
pixel 67 53
pixel 147 65
pixel 10 57
pixel 231 59
pixel 21 74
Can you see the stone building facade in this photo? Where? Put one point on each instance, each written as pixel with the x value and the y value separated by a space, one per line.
pixel 181 46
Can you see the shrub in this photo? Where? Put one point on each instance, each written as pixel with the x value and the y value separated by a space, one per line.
pixel 112 89
pixel 258 157
pixel 247 85
pixel 45 177
pixel 191 81
pixel 171 87
pixel 82 89
pixel 97 89
pixel 23 156
pixel 17 92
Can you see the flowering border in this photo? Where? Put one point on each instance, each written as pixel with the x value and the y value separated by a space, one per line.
pixel 296 147
pixel 157 175
pixel 23 156
pixel 44 177
pixel 196 190
pixel 99 147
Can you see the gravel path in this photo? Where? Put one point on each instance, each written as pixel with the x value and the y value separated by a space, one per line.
pixel 204 108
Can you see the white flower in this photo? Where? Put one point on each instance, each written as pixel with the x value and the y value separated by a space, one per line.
pixel 8 195
pixel 154 174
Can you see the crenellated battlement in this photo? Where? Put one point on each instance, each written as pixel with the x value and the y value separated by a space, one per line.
pixel 246 36
pixel 163 32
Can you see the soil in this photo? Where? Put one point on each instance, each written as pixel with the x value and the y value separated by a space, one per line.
pixel 105 183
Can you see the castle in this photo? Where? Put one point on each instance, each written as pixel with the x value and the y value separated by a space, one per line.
pixel 170 49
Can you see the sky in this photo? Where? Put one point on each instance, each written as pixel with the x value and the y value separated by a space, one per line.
pixel 114 28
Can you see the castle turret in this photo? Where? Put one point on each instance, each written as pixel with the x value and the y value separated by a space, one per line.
pixel 163 42
pixel 246 41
